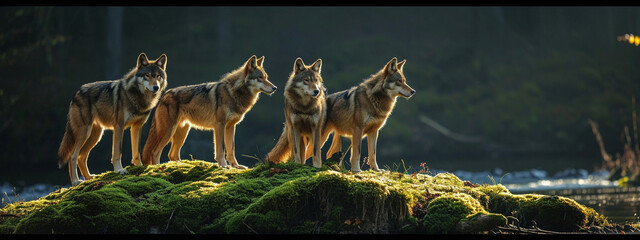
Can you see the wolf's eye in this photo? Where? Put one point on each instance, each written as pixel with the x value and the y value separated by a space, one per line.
pixel 147 75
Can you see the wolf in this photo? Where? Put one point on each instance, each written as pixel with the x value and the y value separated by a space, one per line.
pixel 362 110
pixel 217 106
pixel 114 105
pixel 304 111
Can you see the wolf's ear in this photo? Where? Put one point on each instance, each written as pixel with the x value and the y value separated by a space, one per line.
pixel 298 66
pixel 401 64
pixel 317 65
pixel 392 66
pixel 162 61
pixel 142 60
pixel 260 61
pixel 251 64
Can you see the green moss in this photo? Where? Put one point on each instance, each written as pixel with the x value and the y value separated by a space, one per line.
pixel 480 222
pixel 444 212
pixel 447 179
pixel 199 197
pixel 547 212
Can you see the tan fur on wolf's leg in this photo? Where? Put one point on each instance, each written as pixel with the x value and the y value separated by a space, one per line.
pixel 297 145
pixel 81 136
pixel 336 145
pixel 161 131
pixel 317 158
pixel 135 147
pixel 307 149
pixel 116 150
pixel 305 142
pixel 218 137
pixel 323 140
pixel 372 140
pixel 356 140
pixel 94 137
pixel 229 143
pixel 177 141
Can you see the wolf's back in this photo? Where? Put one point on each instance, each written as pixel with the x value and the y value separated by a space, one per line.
pixel 282 150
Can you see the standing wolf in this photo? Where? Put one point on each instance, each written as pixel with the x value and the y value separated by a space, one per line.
pixel 362 110
pixel 113 105
pixel 304 111
pixel 216 106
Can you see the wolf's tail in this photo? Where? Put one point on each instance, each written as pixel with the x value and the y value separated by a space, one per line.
pixel 282 151
pixel 66 146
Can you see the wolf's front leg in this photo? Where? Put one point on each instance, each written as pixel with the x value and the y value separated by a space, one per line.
pixel 135 148
pixel 296 142
pixel 229 143
pixel 356 139
pixel 116 150
pixel 218 136
pixel 372 139
pixel 317 145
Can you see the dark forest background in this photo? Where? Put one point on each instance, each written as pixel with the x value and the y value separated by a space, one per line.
pixel 515 86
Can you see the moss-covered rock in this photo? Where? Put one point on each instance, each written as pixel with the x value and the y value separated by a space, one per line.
pixel 200 197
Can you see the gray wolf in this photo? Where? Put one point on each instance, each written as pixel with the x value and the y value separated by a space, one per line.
pixel 304 111
pixel 114 105
pixel 362 111
pixel 217 106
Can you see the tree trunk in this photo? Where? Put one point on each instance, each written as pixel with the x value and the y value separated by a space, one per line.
pixel 114 42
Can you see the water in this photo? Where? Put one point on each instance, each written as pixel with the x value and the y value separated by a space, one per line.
pixel 620 205
pixel 592 189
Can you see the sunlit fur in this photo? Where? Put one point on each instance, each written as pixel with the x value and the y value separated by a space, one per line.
pixel 363 109
pixel 304 110
pixel 216 106
pixel 114 105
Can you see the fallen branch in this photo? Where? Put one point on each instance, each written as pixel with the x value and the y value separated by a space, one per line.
pixel 170 217
pixel 254 231
pixel 449 133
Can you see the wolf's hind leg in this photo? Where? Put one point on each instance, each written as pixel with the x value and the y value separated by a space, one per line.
pixel 336 145
pixel 177 141
pixel 81 135
pixel 94 138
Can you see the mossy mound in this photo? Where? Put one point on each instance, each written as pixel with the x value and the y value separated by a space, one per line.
pixel 199 197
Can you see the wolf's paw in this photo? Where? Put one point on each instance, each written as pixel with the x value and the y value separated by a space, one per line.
pixel 122 171
pixel 136 162
pixel 76 182
pixel 356 170
pixel 223 164
pixel 240 166
pixel 91 176
pixel 377 169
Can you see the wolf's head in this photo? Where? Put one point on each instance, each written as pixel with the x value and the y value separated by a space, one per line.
pixel 307 78
pixel 395 84
pixel 256 78
pixel 151 74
